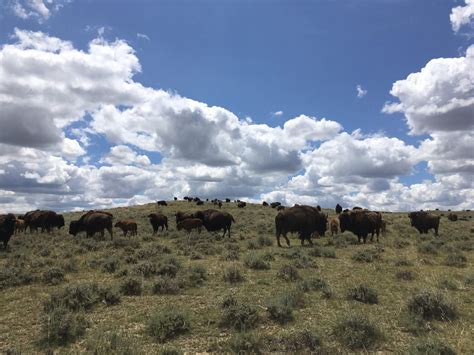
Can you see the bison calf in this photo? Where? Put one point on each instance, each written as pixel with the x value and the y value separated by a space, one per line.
pixel 190 224
pixel 334 224
pixel 127 226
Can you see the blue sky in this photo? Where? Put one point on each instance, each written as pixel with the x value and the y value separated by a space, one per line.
pixel 257 58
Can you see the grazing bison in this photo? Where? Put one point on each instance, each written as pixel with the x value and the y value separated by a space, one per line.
pixel 334 226
pixel 158 220
pixel 19 226
pixel 214 220
pixel 424 221
pixel 181 216
pixel 162 203
pixel 199 203
pixel 338 209
pixel 453 217
pixel 128 225
pixel 227 200
pixel 275 204
pixel 219 204
pixel 279 208
pixel 7 228
pixel 264 203
pixel 304 220
pixel 241 204
pixel 46 220
pixel 190 224
pixel 91 223
pixel 361 223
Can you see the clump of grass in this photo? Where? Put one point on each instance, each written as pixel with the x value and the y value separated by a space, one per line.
pixel 264 241
pixel 431 346
pixel 367 255
pixel 59 326
pixel 252 244
pixel 364 294
pixel 403 262
pixel 344 240
pixel 280 309
pixel 230 255
pixel 233 275
pixel 405 275
pixel 288 273
pixel 469 280
pixel 82 296
pixel 414 324
pixel 256 261
pixel 400 243
pixel 429 305
pixel 15 277
pixel 53 276
pixel 240 317
pixel 312 284
pixel 165 285
pixel 110 295
pixel 448 285
pixel 196 275
pixel 167 324
pixel 245 343
pixel 111 265
pixel 303 340
pixel 357 332
pixel 228 301
pixel 132 286
pixel 428 247
pixel 102 342
pixel 325 252
pixel 456 259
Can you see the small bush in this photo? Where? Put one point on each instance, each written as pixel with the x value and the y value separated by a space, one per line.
pixel 325 252
pixel 15 277
pixel 230 255
pixel 110 343
pixel 110 295
pixel 414 324
pixel 240 317
pixel 280 310
pixel 264 241
pixel 228 301
pixel 165 285
pixel 294 298
pixel 363 294
pixel 403 262
pixel 111 265
pixel 74 297
pixel 60 326
pixel 256 261
pixel 367 255
pixel 288 273
pixel 469 280
pixel 196 274
pixel 400 243
pixel 432 346
pixel 428 247
pixel 405 275
pixel 53 276
pixel 167 324
pixel 245 343
pixel 327 292
pixel 456 259
pixel 429 305
pixel 233 275
pixel 302 340
pixel 132 286
pixel 357 332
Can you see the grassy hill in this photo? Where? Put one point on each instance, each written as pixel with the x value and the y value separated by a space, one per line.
pixel 188 292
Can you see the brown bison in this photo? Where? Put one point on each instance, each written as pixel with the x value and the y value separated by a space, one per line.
pixel 304 220
pixel 265 203
pixel 126 226
pixel 424 221
pixel 334 226
pixel 91 223
pixel 7 228
pixel 361 223
pixel 190 224
pixel 214 220
pixel 199 203
pixel 19 226
pixel 338 209
pixel 46 220
pixel 181 216
pixel 219 204
pixel 241 204
pixel 162 203
pixel 453 217
pixel 275 204
pixel 280 208
pixel 158 220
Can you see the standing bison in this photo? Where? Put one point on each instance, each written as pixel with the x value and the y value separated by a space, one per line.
pixel 162 203
pixel 214 220
pixel 46 220
pixel 126 226
pixel 158 220
pixel 304 220
pixel 361 223
pixel 338 209
pixel 190 224
pixel 424 221
pixel 7 228
pixel 91 223
pixel 241 204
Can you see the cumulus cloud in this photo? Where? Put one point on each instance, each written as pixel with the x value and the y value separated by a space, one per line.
pixel 462 15
pixel 38 9
pixel 123 155
pixel 360 91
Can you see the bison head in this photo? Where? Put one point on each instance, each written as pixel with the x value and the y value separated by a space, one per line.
pixel 322 227
pixel 59 221
pixel 74 227
pixel 344 221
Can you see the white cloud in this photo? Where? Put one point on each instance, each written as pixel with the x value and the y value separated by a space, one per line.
pixel 123 155
pixel 360 91
pixel 462 15
pixel 277 113
pixel 38 9
pixel 143 36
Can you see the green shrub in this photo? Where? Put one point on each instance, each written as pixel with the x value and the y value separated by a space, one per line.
pixel 110 295
pixel 83 296
pixel 303 340
pixel 264 241
pixel 53 276
pixel 196 275
pixel 233 275
pixel 228 301
pixel 59 326
pixel 363 294
pixel 325 252
pixel 288 273
pixel 357 332
pixel 448 285
pixel 403 262
pixel 15 276
pixel 165 285
pixel 456 259
pixel 280 310
pixel 430 305
pixel 406 275
pixel 367 255
pixel 230 255
pixel 111 265
pixel 256 261
pixel 108 343
pixel 244 343
pixel 428 247
pixel 132 286
pixel 240 317
pixel 167 324
pixel 431 346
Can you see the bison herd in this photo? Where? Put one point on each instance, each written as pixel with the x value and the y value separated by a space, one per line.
pixel 305 221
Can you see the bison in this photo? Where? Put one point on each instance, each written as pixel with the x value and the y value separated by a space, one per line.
pixel 424 221
pixel 19 226
pixel 7 228
pixel 190 224
pixel 361 223
pixel 126 226
pixel 46 220
pixel 199 203
pixel 214 220
pixel 181 216
pixel 334 226
pixel 219 204
pixel 162 203
pixel 227 200
pixel 453 217
pixel 91 223
pixel 338 209
pixel 279 208
pixel 304 220
pixel 264 203
pixel 241 204
pixel 275 204
pixel 158 220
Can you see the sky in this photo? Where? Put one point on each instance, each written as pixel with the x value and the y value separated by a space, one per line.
pixel 112 103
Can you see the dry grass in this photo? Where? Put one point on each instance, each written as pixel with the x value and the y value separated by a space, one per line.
pixel 190 268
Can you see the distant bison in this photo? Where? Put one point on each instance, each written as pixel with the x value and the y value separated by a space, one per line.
pixel 453 217
pixel 158 220
pixel 7 228
pixel 334 226
pixel 338 209
pixel 19 226
pixel 264 203
pixel 190 224
pixel 227 200
pixel 219 204
pixel 279 208
pixel 175 198
pixel 361 223
pixel 304 220
pixel 275 204
pixel 162 203
pixel 199 203
pixel 91 223
pixel 214 220
pixel 424 221
pixel 126 226
pixel 241 204
pixel 46 220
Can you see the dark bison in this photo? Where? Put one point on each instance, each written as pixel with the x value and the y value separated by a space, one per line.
pixel 158 220
pixel 46 220
pixel 91 223
pixel 162 203
pixel 199 203
pixel 361 223
pixel 453 217
pixel 175 198
pixel 264 203
pixel 219 204
pixel 241 204
pixel 424 221
pixel 7 228
pixel 190 224
pixel 214 220
pixel 304 220
pixel 338 209
pixel 275 204
pixel 318 207
pixel 128 225
pixel 227 200
pixel 279 208
pixel 357 208
pixel 181 216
